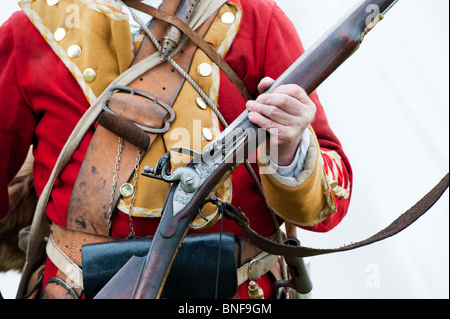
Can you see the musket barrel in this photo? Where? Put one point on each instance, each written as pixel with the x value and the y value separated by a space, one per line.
pixel 335 47
pixel 309 71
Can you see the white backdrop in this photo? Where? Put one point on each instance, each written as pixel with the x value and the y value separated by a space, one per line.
pixel 389 105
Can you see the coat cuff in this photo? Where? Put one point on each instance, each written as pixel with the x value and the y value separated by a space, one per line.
pixel 304 201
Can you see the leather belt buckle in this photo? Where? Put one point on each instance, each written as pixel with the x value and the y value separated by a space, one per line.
pixel 131 91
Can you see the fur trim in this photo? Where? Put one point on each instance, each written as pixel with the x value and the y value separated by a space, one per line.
pixel 22 203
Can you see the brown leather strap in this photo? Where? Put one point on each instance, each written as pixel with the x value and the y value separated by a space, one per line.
pixel 198 40
pixel 404 221
pixel 90 200
pixel 70 241
pixel 61 287
pixel 125 129
pixel 215 57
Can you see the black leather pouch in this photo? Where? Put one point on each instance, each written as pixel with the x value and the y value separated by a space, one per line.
pixel 193 273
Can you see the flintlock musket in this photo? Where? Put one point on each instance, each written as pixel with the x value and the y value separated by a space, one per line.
pixel 144 277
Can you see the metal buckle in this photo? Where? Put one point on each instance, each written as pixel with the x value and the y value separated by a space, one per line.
pixel 149 129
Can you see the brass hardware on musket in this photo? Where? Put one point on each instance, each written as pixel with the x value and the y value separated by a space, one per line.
pixel 375 17
pixel 371 25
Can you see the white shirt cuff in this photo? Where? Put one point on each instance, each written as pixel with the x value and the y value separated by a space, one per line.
pixel 293 170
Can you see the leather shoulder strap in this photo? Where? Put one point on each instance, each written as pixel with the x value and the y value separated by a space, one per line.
pixel 197 39
pixel 401 223
pixel 99 178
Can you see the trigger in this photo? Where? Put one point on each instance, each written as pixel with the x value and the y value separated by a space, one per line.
pixel 202 216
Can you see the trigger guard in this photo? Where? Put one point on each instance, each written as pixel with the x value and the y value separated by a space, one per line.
pixel 199 224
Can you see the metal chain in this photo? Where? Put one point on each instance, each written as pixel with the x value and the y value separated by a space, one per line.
pixel 135 177
pixel 114 185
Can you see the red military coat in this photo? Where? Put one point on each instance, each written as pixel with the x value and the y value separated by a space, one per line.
pixel 41 102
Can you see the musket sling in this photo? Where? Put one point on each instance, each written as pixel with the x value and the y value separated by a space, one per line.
pixel 403 222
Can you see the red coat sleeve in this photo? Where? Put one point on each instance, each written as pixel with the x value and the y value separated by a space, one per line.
pixel 266 45
pixel 41 102
pixel 282 49
pixel 17 119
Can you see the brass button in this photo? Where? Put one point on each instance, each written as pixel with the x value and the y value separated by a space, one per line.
pixel 52 2
pixel 89 75
pixel 74 51
pixel 228 18
pixel 207 134
pixel 126 190
pixel 204 69
pixel 201 103
pixel 59 34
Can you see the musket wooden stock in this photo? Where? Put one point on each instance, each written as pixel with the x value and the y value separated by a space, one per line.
pixel 145 277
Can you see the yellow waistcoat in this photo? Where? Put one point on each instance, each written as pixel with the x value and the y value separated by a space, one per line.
pixel 93 40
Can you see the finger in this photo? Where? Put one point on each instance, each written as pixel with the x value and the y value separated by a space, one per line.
pixel 274 113
pixel 275 129
pixel 284 102
pixel 278 133
pixel 265 84
pixel 262 121
pixel 294 91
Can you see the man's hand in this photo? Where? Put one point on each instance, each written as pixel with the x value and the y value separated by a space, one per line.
pixel 285 114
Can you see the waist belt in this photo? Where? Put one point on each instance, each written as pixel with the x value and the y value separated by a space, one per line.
pixel 64 249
